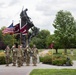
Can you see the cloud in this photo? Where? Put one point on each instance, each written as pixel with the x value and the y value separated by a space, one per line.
pixel 41 12
pixel 1 4
pixel 13 2
pixel 49 9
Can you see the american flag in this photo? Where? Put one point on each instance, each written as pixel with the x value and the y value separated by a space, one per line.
pixel 9 30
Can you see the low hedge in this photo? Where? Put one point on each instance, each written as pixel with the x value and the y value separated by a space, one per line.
pixel 56 60
pixel 46 59
pixel 2 58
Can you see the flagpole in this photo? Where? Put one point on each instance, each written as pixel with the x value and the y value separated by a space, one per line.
pixel 27 39
pixel 13 33
pixel 20 38
pixel 13 39
pixel 20 33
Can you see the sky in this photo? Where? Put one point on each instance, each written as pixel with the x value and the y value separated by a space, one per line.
pixel 41 12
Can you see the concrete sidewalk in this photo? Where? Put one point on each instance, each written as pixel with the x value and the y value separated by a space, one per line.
pixel 25 70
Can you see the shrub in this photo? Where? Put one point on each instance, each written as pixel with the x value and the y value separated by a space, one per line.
pixel 46 59
pixel 41 59
pixel 2 58
pixel 59 60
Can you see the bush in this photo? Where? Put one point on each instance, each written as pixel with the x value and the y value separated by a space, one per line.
pixel 46 59
pixel 59 62
pixel 56 60
pixel 2 58
pixel 62 60
pixel 41 58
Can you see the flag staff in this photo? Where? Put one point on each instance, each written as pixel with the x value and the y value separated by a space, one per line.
pixel 27 39
pixel 13 33
pixel 20 32
pixel 20 38
pixel 13 39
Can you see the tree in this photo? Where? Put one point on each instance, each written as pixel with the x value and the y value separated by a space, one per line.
pixel 7 39
pixel 49 40
pixel 43 34
pixel 40 39
pixel 56 42
pixel 65 28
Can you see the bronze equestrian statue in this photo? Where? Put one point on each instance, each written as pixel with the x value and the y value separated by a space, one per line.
pixel 25 19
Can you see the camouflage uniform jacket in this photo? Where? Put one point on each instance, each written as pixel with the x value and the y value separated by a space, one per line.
pixel 19 52
pixel 35 52
pixel 14 52
pixel 7 52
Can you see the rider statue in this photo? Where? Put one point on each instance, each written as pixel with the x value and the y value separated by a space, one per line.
pixel 24 17
pixel 24 20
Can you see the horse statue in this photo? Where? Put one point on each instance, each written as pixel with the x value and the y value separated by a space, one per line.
pixel 25 19
pixel 33 33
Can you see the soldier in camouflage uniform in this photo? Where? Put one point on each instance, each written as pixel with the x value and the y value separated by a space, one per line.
pixel 7 55
pixel 34 56
pixel 14 55
pixel 22 54
pixel 27 50
pixel 19 56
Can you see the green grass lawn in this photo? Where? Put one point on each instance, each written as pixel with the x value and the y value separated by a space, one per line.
pixel 53 72
pixel 61 51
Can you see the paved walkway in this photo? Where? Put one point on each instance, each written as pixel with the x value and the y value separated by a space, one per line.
pixel 25 70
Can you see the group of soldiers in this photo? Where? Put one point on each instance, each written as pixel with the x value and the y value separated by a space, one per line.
pixel 20 55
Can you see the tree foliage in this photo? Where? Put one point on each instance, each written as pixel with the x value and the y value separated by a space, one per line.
pixel 65 28
pixel 6 39
pixel 40 40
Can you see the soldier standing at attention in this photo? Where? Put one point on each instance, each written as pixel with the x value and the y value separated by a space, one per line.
pixel 27 50
pixel 19 56
pixel 22 54
pixel 34 56
pixel 14 55
pixel 7 55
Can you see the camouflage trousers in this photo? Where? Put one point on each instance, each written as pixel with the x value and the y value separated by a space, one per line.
pixel 27 60
pixel 7 59
pixel 22 59
pixel 14 58
pixel 19 61
pixel 34 58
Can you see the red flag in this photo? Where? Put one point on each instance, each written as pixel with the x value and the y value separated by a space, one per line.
pixel 24 29
pixel 25 32
pixel 17 28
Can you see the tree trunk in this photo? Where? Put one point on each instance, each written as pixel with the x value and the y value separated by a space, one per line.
pixel 65 51
pixel 56 51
